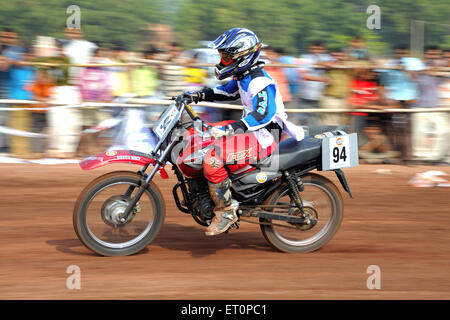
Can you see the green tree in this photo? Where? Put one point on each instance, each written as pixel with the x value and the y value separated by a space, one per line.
pixel 291 24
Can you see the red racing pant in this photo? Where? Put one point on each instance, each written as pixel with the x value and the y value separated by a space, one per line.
pixel 233 154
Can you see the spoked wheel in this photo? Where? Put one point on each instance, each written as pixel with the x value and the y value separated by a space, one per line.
pixel 98 215
pixel 322 203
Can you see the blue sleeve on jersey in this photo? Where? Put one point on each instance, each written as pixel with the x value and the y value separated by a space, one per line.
pixel 227 92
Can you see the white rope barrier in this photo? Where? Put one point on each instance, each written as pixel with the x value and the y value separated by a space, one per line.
pixel 105 124
pixel 139 103
pixel 137 62
pixel 21 133
pixel 145 103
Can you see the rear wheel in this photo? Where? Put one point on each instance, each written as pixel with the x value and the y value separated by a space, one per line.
pixel 98 221
pixel 321 200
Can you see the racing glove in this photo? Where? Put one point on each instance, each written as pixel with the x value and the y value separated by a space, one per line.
pixel 194 96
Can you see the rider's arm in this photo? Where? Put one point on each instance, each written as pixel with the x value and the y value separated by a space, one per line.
pixel 264 109
pixel 228 92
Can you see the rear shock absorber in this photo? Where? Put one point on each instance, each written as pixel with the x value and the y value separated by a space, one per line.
pixel 294 186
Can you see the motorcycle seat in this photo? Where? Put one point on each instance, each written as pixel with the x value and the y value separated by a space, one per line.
pixel 291 152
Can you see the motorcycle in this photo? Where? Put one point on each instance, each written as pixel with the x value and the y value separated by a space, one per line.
pixel 121 212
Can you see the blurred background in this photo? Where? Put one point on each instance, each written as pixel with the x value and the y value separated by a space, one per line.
pixel 70 70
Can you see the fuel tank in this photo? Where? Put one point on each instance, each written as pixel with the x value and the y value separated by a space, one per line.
pixel 193 149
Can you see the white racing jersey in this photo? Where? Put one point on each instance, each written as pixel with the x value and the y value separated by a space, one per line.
pixel 263 105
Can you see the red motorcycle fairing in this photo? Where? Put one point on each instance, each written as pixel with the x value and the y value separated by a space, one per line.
pixel 120 156
pixel 190 159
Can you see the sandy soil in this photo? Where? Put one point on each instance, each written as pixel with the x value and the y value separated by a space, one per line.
pixel 403 230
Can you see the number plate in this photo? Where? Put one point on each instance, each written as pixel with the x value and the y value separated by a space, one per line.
pixel 340 152
pixel 165 120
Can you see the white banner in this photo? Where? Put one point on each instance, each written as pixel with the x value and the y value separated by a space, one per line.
pixel 48 161
pixel 104 125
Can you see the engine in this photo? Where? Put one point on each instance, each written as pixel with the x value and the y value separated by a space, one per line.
pixel 202 203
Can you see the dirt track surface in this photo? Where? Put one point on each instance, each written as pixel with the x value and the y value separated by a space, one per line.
pixel 403 230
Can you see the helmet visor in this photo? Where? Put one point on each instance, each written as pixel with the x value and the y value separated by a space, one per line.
pixel 225 58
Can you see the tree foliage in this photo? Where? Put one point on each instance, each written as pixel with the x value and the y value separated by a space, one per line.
pixel 291 24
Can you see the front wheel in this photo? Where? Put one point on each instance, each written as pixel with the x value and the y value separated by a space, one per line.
pixel 321 201
pixel 98 220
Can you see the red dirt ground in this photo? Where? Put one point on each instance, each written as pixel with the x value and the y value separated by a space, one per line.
pixel 402 229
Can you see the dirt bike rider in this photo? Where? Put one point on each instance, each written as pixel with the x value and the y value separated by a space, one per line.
pixel 250 138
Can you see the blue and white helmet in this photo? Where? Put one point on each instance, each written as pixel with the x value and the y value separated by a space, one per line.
pixel 239 49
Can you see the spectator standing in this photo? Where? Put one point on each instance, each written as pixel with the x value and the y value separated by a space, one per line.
pixel 48 88
pixel 362 92
pixel 145 82
pixel 11 51
pixel 42 89
pixel 357 50
pixel 172 73
pixel 4 67
pixel 430 131
pixel 68 120
pixel 194 77
pixel 78 50
pixel 446 58
pixel 20 77
pixel 337 89
pixel 65 120
pixel 144 79
pixel 17 78
pixel 313 81
pixel 445 93
pixel 401 87
pixel 366 93
pixel 120 78
pixel 444 89
pixel 3 95
pixel 277 74
pixel 292 76
pixel 94 86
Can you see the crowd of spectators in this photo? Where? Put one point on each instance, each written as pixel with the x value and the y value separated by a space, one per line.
pixel 325 78
pixel 350 78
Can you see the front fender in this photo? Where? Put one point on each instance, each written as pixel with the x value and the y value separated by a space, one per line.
pixel 120 156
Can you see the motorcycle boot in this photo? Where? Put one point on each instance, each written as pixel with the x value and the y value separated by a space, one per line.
pixel 225 210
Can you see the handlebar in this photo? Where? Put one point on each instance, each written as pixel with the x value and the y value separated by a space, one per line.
pixel 186 101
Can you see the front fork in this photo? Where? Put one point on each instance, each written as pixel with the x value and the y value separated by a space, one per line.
pixel 145 181
pixel 131 188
